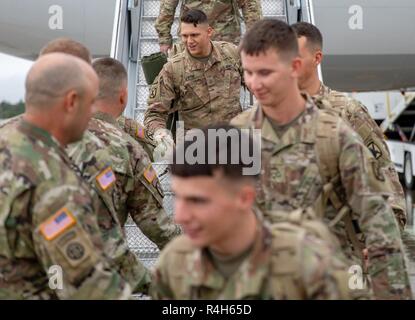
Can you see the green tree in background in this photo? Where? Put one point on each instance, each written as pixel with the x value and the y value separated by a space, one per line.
pixel 8 110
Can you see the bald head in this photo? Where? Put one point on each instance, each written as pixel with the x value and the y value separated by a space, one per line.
pixel 53 75
pixel 68 46
pixel 60 91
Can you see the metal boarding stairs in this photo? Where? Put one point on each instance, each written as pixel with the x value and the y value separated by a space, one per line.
pixel 134 37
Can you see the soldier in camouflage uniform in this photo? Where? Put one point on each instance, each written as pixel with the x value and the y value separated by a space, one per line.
pixel 203 83
pixel 136 188
pixel 350 110
pixel 94 164
pixel 227 252
pixel 301 144
pixel 116 246
pixel 50 242
pixel 223 16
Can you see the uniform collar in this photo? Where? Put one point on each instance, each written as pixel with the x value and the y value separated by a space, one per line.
pixel 322 91
pixel 38 133
pixel 105 117
pixel 300 131
pixel 250 277
pixel 45 137
pixel 195 64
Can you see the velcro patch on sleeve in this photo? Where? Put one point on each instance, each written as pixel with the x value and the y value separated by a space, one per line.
pixel 61 221
pixel 140 132
pixel 106 178
pixel 150 174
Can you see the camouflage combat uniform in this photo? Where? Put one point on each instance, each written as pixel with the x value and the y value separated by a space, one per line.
pixel 48 222
pixel 292 177
pixel 93 162
pixel 221 14
pixel 357 116
pixel 203 93
pixel 137 131
pixel 285 262
pixel 137 190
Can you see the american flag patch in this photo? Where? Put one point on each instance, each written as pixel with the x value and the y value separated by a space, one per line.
pixel 150 174
pixel 106 178
pixel 140 132
pixel 58 223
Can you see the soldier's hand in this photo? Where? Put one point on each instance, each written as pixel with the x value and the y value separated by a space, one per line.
pixel 165 48
pixel 165 145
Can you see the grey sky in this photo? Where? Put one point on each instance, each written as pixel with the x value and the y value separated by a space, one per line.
pixel 12 75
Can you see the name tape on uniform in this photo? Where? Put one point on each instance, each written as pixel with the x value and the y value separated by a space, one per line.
pixel 62 220
pixel 106 178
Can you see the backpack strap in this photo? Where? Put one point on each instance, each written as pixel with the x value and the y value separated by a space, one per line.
pixel 328 151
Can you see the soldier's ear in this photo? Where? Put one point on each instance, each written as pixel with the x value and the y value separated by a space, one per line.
pixel 210 31
pixel 247 196
pixel 123 96
pixel 318 57
pixel 70 101
pixel 296 64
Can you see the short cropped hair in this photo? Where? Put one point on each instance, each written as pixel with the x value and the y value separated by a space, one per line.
pixel 223 139
pixel 68 46
pixel 112 76
pixel 270 34
pixel 195 17
pixel 311 33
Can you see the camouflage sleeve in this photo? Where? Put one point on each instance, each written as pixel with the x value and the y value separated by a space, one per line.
pixel 374 139
pixel 138 133
pixel 162 96
pixel 324 272
pixel 375 217
pixel 251 11
pixel 239 64
pixel 232 50
pixel 165 20
pixel 67 238
pixel 160 286
pixel 145 205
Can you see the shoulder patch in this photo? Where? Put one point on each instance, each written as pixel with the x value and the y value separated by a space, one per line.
pixel 150 174
pixel 377 172
pixel 376 151
pixel 61 221
pixel 153 92
pixel 106 178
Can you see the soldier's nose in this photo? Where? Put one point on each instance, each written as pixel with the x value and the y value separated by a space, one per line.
pixel 180 212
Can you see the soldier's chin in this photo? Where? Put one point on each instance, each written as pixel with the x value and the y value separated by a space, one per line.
pixel 192 50
pixel 195 238
pixel 262 99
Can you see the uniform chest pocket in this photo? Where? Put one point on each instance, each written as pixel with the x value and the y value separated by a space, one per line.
pixel 194 94
pixel 295 176
pixel 15 240
pixel 309 187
